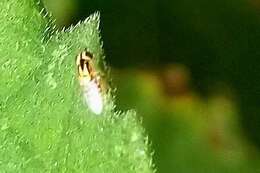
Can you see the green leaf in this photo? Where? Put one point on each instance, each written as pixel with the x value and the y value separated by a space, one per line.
pixel 45 125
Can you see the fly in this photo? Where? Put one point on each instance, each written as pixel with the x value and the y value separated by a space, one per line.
pixel 89 81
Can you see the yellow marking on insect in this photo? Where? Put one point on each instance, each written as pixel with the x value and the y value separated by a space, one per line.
pixel 90 82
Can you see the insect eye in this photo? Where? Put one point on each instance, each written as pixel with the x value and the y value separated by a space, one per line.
pixel 82 63
pixel 88 54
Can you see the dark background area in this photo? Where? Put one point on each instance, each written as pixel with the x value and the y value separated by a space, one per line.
pixel 217 41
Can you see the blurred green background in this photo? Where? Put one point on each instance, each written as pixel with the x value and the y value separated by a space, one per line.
pixel 191 69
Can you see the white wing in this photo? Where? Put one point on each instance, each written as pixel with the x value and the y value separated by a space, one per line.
pixel 93 97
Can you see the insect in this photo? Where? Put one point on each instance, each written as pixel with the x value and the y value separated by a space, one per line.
pixel 89 81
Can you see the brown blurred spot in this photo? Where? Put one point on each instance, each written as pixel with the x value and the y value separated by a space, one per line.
pixel 175 80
